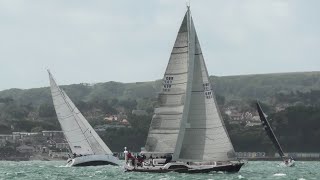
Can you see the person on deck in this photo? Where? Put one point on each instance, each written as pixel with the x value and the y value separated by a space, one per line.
pixel 140 160
pixel 168 158
pixel 151 160
pixel 129 156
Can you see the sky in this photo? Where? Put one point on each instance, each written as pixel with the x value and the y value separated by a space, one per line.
pixel 95 41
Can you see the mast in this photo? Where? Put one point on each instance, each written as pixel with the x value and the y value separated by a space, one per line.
pixel 268 129
pixel 190 62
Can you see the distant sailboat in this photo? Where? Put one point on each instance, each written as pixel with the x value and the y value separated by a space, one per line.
pixel 87 147
pixel 187 133
pixel 266 125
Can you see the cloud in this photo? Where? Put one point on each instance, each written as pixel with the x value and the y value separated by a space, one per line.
pixel 130 41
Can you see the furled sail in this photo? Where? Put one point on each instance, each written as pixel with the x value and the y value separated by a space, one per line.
pixel 80 135
pixel 269 130
pixel 188 121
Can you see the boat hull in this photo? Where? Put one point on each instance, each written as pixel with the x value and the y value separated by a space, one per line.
pixel 231 168
pixel 184 168
pixel 93 160
pixel 288 164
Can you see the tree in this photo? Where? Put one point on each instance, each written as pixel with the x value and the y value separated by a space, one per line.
pixel 37 129
pixel 129 104
pixel 220 100
pixel 46 110
pixel 4 129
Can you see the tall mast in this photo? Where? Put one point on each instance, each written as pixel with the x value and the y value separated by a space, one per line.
pixel 184 124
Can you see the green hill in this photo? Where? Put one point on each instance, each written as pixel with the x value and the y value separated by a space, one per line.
pixel 32 109
pixel 261 86
pixel 264 86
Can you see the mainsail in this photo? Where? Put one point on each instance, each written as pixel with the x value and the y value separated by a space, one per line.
pixel 165 124
pixel 188 122
pixel 80 135
pixel 269 130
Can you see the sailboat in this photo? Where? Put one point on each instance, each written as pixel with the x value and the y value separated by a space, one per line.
pixel 266 125
pixel 187 133
pixel 87 147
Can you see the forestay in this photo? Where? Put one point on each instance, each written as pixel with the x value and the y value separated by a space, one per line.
pixel 80 135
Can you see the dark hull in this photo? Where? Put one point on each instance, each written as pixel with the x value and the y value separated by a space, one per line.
pixel 234 168
pixel 230 168
pixel 95 163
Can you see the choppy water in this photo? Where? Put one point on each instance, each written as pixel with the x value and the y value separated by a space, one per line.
pixel 56 170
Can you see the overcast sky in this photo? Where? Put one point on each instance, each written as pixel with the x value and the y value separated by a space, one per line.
pixel 131 40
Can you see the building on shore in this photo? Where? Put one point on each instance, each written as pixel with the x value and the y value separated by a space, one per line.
pixel 25 149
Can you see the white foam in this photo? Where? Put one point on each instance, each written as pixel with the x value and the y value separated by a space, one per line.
pixel 279 174
pixel 62 166
pixel 241 177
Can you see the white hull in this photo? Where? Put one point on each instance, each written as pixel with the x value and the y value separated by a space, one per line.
pixel 93 160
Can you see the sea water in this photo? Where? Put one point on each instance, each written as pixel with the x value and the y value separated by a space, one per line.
pixel 34 170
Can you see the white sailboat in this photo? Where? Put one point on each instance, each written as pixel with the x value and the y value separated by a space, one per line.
pixel 87 147
pixel 187 133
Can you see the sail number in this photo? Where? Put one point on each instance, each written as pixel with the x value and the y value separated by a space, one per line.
pixel 207 90
pixel 167 83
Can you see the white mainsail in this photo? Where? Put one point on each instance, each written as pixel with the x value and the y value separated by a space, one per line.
pixel 195 131
pixel 80 135
pixel 165 124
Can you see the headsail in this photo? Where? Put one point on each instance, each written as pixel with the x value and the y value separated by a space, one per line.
pixel 269 130
pixel 80 135
pixel 205 137
pixel 188 121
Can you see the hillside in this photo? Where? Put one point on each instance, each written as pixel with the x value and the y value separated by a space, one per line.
pixel 296 94
pixel 264 86
pixel 261 86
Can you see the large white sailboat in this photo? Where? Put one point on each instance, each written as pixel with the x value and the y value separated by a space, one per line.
pixel 87 147
pixel 187 133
